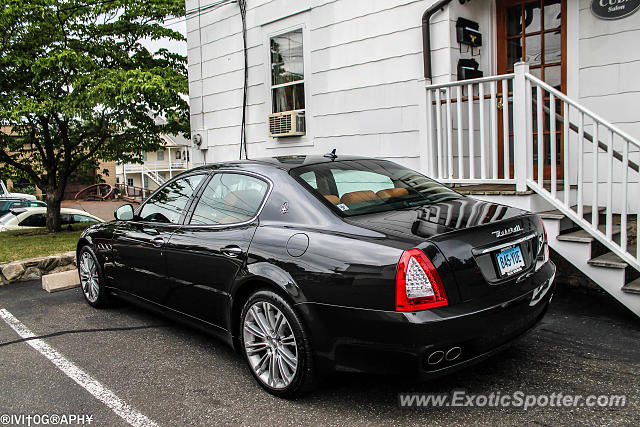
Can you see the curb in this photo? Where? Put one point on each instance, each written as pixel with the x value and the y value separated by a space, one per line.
pixel 60 281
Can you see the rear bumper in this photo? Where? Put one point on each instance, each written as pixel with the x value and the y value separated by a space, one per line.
pixel 390 342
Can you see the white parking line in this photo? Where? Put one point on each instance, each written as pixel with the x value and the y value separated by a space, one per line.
pixel 83 379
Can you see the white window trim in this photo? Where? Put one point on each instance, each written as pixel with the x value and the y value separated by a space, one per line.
pixel 272 29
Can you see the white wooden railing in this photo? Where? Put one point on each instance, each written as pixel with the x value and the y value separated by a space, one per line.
pixel 154 175
pixel 463 117
pixel 158 166
pixel 494 130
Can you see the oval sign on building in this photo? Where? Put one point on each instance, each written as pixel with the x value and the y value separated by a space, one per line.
pixel 614 9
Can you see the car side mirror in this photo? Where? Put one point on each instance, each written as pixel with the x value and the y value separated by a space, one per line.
pixel 124 213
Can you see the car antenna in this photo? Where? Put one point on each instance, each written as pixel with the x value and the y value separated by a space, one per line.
pixel 332 155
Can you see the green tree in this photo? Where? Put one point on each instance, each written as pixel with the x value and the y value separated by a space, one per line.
pixel 77 85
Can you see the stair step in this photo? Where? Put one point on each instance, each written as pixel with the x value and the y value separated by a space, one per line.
pixel 557 214
pixel 632 287
pixel 583 236
pixel 609 260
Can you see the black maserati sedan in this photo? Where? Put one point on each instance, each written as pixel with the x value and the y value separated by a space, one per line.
pixel 309 264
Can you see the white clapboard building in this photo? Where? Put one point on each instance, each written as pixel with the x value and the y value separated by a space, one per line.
pixel 531 103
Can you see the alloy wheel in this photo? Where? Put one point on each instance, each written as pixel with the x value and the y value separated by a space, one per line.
pixel 89 278
pixel 270 345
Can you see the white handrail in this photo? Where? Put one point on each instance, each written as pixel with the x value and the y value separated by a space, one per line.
pixel 582 109
pixel 603 154
pixel 464 139
pixel 464 148
pixel 471 81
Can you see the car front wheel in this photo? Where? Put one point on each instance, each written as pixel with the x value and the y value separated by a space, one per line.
pixel 276 346
pixel 91 278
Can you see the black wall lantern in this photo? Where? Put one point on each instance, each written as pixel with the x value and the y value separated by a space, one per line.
pixel 468 69
pixel 468 32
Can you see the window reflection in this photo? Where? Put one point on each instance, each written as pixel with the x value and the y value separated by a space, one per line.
pixel 229 198
pixel 287 71
pixel 168 204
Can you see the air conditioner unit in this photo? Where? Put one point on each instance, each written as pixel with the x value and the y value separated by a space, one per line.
pixel 287 123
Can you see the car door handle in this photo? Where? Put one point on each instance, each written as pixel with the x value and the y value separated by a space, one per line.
pixel 151 231
pixel 158 241
pixel 231 251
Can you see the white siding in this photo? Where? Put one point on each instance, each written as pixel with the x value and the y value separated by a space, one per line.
pixel 609 67
pixel 364 83
pixel 363 72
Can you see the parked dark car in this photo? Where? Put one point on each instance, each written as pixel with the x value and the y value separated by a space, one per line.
pixel 314 264
pixel 6 204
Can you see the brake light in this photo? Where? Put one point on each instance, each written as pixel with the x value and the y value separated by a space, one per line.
pixel 543 247
pixel 418 284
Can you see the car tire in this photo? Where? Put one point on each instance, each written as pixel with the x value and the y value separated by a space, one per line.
pixel 92 279
pixel 285 344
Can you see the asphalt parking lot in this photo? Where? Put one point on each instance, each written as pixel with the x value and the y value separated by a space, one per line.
pixel 174 375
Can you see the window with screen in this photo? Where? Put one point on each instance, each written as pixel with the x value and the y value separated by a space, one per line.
pixel 229 198
pixel 169 203
pixel 287 72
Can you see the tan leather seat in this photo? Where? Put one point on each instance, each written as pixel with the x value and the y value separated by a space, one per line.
pixel 358 196
pixel 333 199
pixel 392 192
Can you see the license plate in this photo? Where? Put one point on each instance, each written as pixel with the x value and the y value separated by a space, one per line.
pixel 510 261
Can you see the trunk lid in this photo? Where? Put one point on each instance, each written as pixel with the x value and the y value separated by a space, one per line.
pixel 470 234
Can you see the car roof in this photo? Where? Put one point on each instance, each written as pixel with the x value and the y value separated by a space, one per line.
pixel 42 209
pixel 282 162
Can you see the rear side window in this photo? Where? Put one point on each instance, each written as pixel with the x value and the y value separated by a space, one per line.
pixel 67 219
pixel 229 198
pixel 83 218
pixel 169 203
pixel 35 220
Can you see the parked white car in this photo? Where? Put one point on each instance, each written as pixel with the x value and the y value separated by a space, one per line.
pixel 24 218
pixel 5 193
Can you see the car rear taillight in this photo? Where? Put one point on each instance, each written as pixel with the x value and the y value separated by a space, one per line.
pixel 543 248
pixel 418 285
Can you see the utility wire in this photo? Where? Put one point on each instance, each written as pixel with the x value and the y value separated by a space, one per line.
pixel 243 127
pixel 201 9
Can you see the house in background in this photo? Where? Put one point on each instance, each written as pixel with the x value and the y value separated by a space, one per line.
pixel 105 172
pixel 158 166
pixel 532 103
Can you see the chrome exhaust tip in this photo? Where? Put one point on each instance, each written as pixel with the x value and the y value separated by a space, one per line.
pixel 453 353
pixel 435 357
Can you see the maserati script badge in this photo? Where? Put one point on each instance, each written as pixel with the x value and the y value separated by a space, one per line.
pixel 506 231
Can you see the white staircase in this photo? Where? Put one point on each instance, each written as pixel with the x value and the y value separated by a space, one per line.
pixel 155 177
pixel 594 259
pixel 584 182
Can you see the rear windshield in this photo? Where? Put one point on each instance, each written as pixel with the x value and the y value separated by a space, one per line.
pixel 356 187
